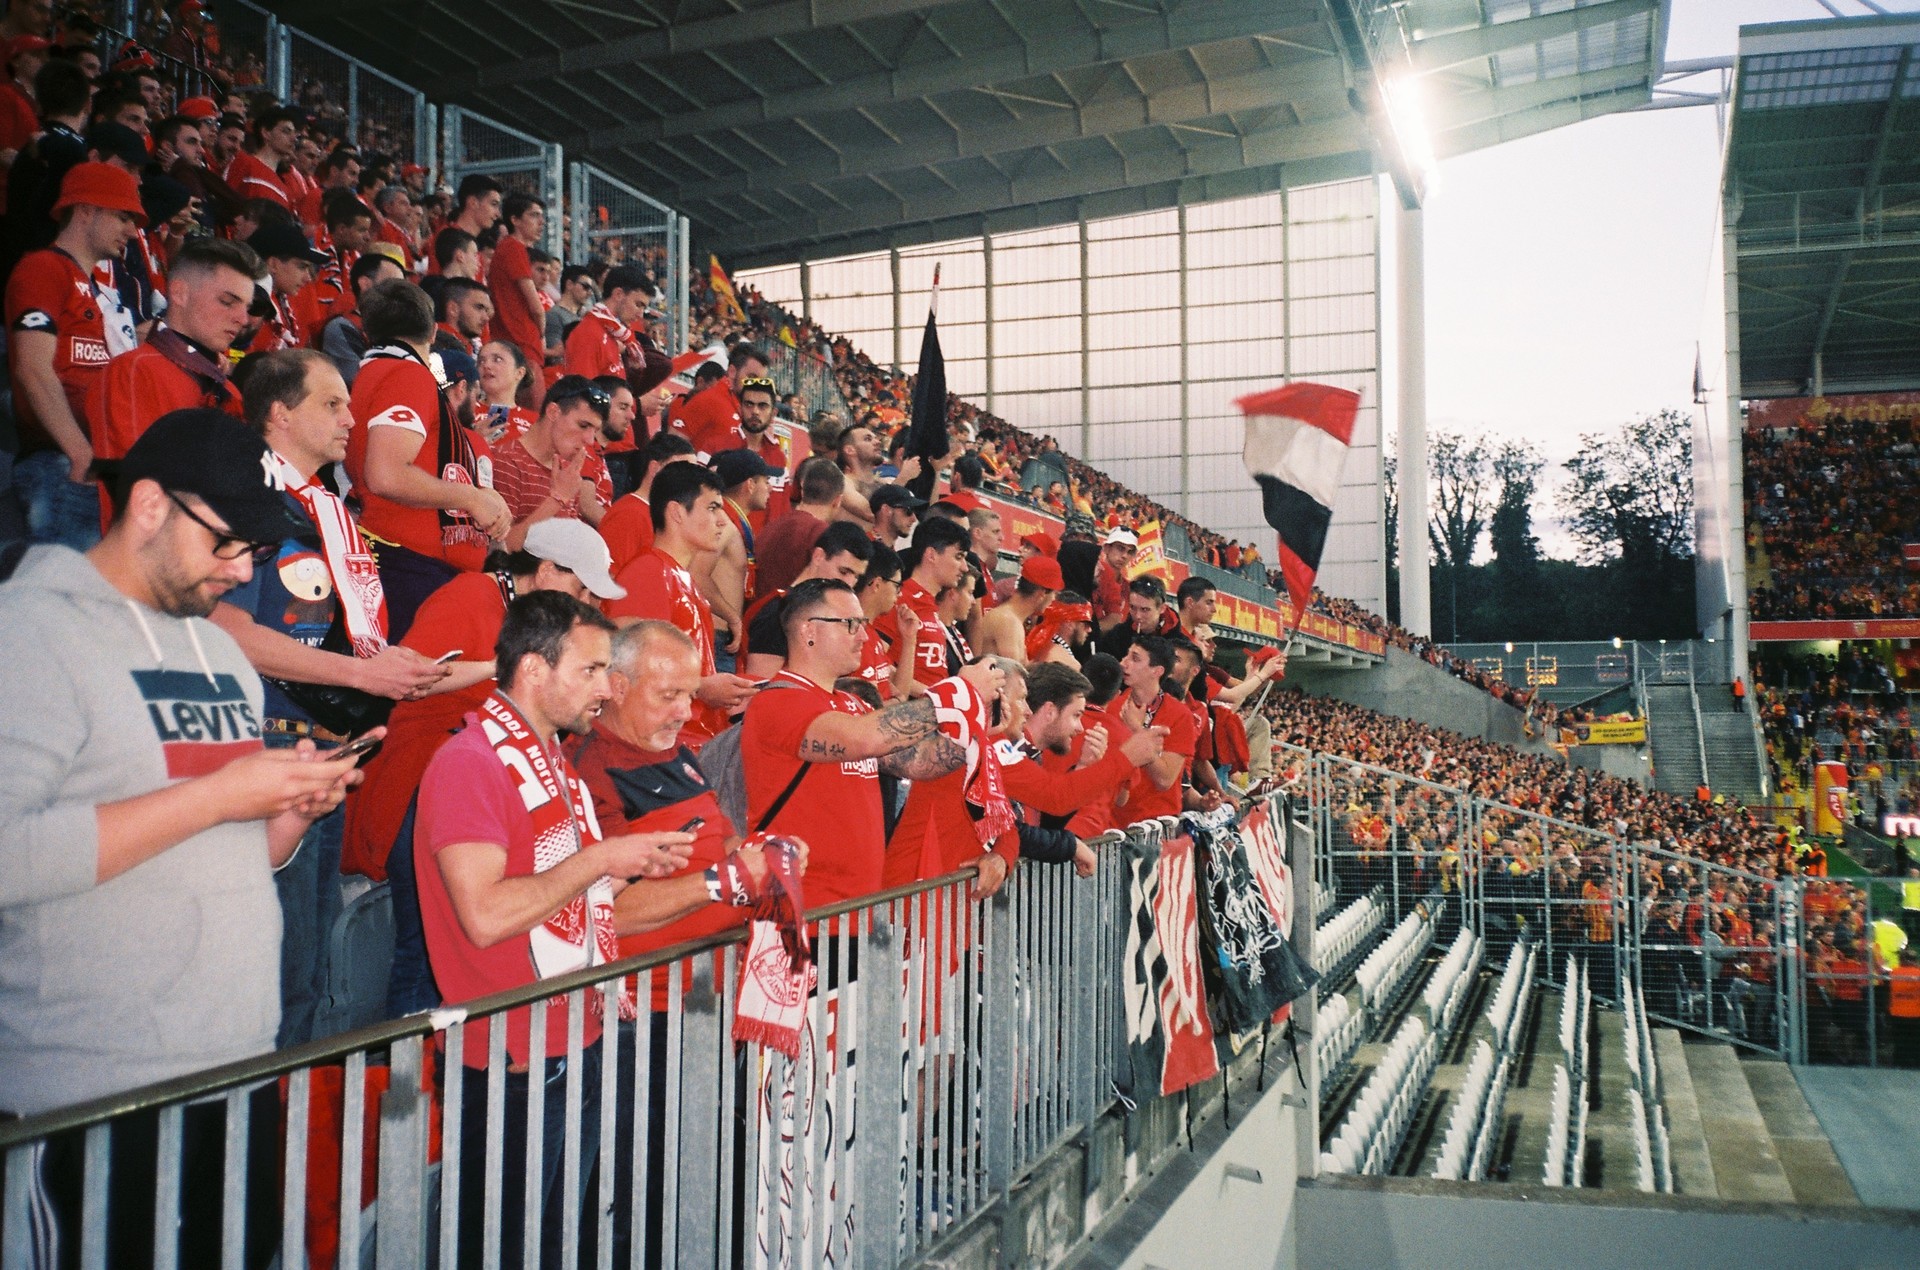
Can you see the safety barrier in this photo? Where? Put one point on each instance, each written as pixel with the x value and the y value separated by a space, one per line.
pixel 609 219
pixel 965 1038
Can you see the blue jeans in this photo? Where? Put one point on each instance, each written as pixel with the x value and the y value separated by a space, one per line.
pixel 57 510
pixel 410 985
pixel 474 1231
pixel 309 887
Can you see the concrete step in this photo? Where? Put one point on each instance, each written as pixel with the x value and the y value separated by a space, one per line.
pixel 1746 1164
pixel 1686 1137
pixel 1806 1153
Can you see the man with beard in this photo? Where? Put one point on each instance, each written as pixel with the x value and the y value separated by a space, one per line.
pixel 708 416
pixel 503 906
pixel 140 928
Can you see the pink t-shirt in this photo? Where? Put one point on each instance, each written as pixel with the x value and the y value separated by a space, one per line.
pixel 468 795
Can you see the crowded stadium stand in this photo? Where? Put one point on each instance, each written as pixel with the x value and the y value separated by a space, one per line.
pixel 1025 783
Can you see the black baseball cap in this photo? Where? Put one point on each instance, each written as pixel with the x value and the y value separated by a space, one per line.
pixel 213 455
pixel 896 496
pixel 737 467
pixel 117 141
pixel 285 242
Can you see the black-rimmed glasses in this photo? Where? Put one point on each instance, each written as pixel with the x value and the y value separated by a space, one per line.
pixel 854 625
pixel 225 545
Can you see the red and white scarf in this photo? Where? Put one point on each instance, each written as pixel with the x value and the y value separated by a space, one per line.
pixel 581 933
pixel 778 974
pixel 363 601
pixel 616 330
pixel 961 714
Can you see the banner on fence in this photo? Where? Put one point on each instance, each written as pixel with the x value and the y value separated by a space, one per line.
pixel 1251 968
pixel 1169 1034
pixel 1631 733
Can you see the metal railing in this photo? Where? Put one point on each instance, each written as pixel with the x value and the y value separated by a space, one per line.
pixel 965 1038
pixel 609 219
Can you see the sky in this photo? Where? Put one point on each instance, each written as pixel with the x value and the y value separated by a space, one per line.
pixel 1567 272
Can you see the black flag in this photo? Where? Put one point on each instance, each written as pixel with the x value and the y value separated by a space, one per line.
pixel 927 435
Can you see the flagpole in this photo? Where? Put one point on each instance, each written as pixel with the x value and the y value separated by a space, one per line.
pixel 933 296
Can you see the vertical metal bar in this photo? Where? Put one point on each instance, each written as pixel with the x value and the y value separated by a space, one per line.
pixel 723 1117
pixel 997 1127
pixel 93 1197
pixel 609 1107
pixel 814 1139
pixel 847 1037
pixel 533 1159
pixel 680 284
pixel 452 1096
pixel 643 1111
pixel 921 949
pixel 17 1249
pixel 952 1051
pixel 293 1187
pixel 698 1086
pixel 496 1140
pixel 398 1235
pixel 570 1165
pixel 353 103
pixel 233 1198
pixel 874 1170
pixel 578 210
pixel 166 1195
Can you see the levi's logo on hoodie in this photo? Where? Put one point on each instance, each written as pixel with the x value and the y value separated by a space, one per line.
pixel 202 724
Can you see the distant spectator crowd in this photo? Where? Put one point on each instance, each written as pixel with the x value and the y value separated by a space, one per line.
pixel 1829 510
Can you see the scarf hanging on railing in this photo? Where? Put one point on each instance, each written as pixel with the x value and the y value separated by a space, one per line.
pixel 777 975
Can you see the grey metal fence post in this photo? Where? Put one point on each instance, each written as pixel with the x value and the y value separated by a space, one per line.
pixel 1000 1004
pixel 279 59
pixel 1085 986
pixel 577 214
pixel 426 134
pixel 877 1202
pixel 399 1236
pixel 353 103
pixel 554 190
pixel 698 1150
pixel 1305 1019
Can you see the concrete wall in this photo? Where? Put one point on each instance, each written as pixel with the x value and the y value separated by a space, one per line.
pixel 1628 762
pixel 1383 1223
pixel 1406 686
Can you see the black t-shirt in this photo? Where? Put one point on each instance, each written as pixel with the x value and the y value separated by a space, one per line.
pixel 765 631
pixel 1078 560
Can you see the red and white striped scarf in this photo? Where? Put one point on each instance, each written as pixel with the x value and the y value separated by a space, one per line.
pixel 581 933
pixel 961 714
pixel 363 601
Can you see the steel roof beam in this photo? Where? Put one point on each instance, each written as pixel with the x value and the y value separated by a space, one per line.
pixel 1266 148
pixel 1868 188
pixel 677 39
pixel 1064 48
pixel 1170 106
pixel 1438 52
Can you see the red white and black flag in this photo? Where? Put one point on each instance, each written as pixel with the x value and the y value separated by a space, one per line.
pixel 1297 439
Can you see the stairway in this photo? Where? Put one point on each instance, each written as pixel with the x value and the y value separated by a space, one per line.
pixel 1674 739
pixel 1762 1140
pixel 1733 763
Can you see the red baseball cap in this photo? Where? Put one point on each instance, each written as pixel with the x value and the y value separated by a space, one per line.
pixel 198 109
pixel 1044 543
pixel 101 185
pixel 1043 571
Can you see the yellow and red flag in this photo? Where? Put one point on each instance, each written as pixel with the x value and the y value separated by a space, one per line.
pixel 1151 556
pixel 723 290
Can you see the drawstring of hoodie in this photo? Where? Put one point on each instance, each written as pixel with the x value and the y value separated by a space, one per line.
pixel 153 645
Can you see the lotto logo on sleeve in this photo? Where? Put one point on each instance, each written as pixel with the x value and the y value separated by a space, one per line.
pixel 202 724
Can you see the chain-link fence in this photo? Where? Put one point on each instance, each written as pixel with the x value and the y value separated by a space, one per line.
pixel 1552 881
pixel 355 103
pixel 474 145
pixel 609 220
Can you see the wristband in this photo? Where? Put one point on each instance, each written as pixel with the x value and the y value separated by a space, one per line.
pixel 712 877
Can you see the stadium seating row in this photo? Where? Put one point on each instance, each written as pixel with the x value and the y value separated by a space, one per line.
pixel 1507 1015
pixel 1565 1163
pixel 1653 1159
pixel 1474 1125
pixel 1370 1134
pixel 1387 967
pixel 1340 1029
pixel 1347 931
pixel 1452 981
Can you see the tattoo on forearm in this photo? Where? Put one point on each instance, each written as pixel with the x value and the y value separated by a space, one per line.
pixel 906 723
pixel 822 752
pixel 933 757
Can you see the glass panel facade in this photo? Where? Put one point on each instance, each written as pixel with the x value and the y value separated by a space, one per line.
pixel 1128 340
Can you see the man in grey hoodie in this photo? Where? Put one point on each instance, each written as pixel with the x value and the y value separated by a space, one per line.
pixel 141 818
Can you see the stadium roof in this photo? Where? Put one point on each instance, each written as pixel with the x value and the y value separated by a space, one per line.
pixel 1823 193
pixel 789 128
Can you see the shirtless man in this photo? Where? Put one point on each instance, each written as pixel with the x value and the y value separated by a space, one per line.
pixel 1003 628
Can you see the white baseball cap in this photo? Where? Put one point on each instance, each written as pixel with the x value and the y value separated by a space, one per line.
pixel 577 547
pixel 1125 537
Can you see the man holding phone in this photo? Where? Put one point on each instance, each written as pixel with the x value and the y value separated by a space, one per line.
pixel 313 618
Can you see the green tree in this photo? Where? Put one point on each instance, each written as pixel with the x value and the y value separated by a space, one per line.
pixel 1629 504
pixel 1457 472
